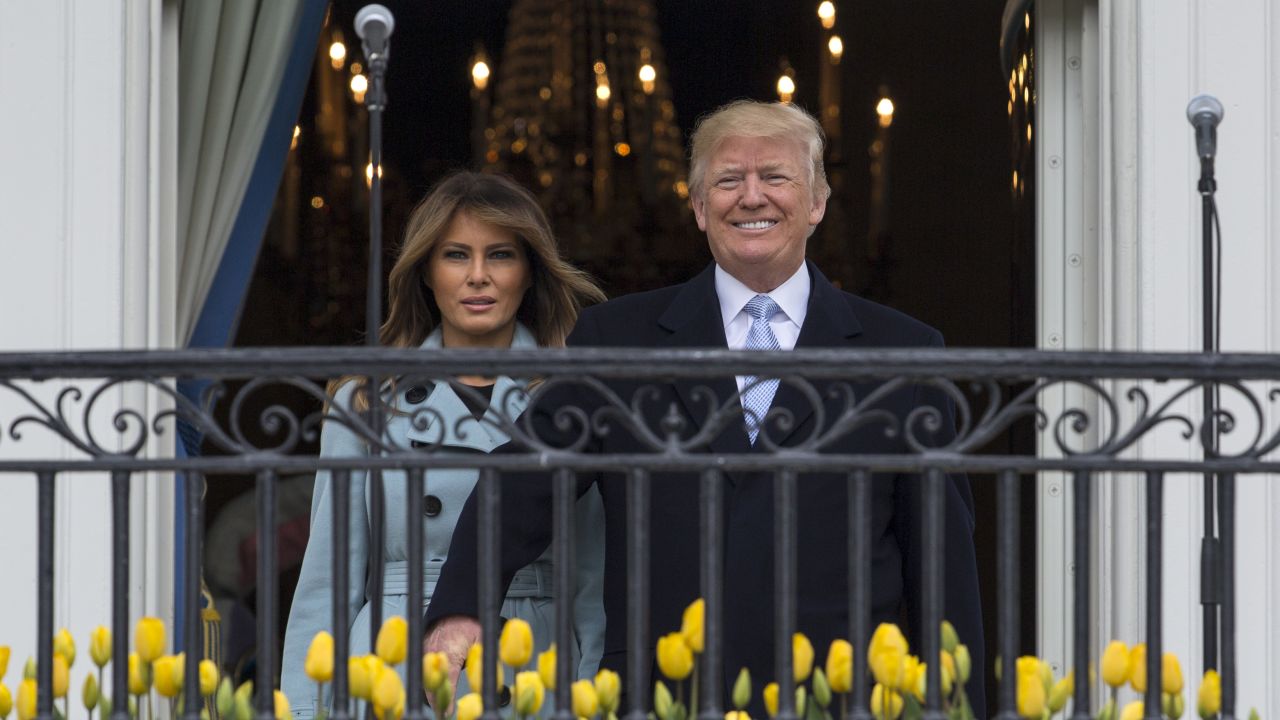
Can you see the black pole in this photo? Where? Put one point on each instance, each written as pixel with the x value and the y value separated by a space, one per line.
pixel 564 493
pixel 712 571
pixel 375 103
pixel 1210 590
pixel 1007 544
pixel 193 633
pixel 784 589
pixel 860 590
pixel 934 569
pixel 1227 526
pixel 417 542
pixel 490 560
pixel 266 680
pixel 1081 491
pixel 1155 593
pixel 44 596
pixel 638 662
pixel 119 593
pixel 341 508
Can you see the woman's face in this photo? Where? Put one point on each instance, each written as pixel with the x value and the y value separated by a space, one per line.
pixel 479 274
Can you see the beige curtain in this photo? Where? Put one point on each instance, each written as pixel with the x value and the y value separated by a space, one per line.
pixel 232 55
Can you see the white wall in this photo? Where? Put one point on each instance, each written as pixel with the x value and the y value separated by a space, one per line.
pixel 1126 197
pixel 86 262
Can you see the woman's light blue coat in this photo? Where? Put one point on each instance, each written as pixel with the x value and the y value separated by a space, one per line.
pixel 530 596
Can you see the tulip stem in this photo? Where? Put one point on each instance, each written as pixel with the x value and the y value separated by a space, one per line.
pixel 693 692
pixel 844 706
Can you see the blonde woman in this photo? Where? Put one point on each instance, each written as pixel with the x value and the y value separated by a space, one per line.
pixel 479 269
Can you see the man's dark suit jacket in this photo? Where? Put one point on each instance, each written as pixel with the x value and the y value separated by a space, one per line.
pixel 688 316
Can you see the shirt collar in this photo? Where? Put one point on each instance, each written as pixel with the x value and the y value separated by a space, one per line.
pixel 791 296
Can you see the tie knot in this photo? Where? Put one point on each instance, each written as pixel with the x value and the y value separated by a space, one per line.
pixel 761 307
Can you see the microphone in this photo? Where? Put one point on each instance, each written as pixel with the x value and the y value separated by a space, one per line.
pixel 374 24
pixel 1204 112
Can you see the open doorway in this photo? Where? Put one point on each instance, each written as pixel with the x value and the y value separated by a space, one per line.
pixel 921 217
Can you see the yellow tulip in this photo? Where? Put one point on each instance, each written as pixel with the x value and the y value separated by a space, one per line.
pixel 1170 674
pixel 27 700
pixel 742 689
pixel 29 669
pixel 1132 711
pixel 948 666
pixel 208 678
pixel 148 638
pixel 139 675
pixel 61 675
pixel 89 693
pixel 1062 691
pixel 736 715
pixel 885 703
pixel 224 698
pixel 1178 707
pixel 475 667
pixel 1115 664
pixel 66 645
pixel 692 625
pixel 912 675
pixel 585 702
pixel 609 690
pixel 771 699
pixel 282 706
pixel 886 654
pixel 547 667
pixel 1031 695
pixel 950 638
pixel 675 659
pixel 1138 669
pixel 393 641
pixel 167 670
pixel 515 644
pixel 801 657
pixel 469 707
pixel 435 670
pixel 1209 699
pixel 4 660
pixel 6 701
pixel 100 646
pixel 840 666
pixel 529 693
pixel 964 663
pixel 662 702
pixel 361 673
pixel 319 662
pixel 243 702
pixel 387 688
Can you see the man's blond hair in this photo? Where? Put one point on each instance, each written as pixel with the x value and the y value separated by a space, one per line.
pixel 752 118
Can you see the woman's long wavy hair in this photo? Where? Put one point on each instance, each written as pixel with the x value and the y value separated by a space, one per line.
pixel 550 306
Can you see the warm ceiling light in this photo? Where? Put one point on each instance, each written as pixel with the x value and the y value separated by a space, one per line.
pixel 602 92
pixel 337 54
pixel 836 46
pixel 480 74
pixel 786 88
pixel 647 73
pixel 884 109
pixel 827 14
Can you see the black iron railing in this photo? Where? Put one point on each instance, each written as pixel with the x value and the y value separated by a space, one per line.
pixel 1128 398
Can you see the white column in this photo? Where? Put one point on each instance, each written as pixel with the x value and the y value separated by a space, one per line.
pixel 1150 57
pixel 87 241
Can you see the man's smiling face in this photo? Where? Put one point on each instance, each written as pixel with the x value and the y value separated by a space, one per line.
pixel 757 207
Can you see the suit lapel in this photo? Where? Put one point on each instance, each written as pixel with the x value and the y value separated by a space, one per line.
pixel 829 322
pixel 694 320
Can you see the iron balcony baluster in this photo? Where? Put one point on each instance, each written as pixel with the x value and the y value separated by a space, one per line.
pixel 1081 489
pixel 414 488
pixel 860 590
pixel 564 493
pixel 711 502
pixel 1155 593
pixel 266 651
pixel 784 589
pixel 1007 547
pixel 638 659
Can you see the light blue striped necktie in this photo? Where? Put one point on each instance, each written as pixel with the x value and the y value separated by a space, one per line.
pixel 757 393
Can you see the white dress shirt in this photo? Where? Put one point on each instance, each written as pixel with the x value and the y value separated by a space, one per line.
pixel 791 296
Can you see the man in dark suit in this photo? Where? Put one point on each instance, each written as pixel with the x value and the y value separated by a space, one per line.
pixel 759 190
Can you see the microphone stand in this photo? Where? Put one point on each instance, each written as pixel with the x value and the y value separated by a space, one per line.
pixel 1210 560
pixel 375 102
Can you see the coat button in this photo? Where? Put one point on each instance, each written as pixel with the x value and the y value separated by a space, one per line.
pixel 416 394
pixel 432 506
